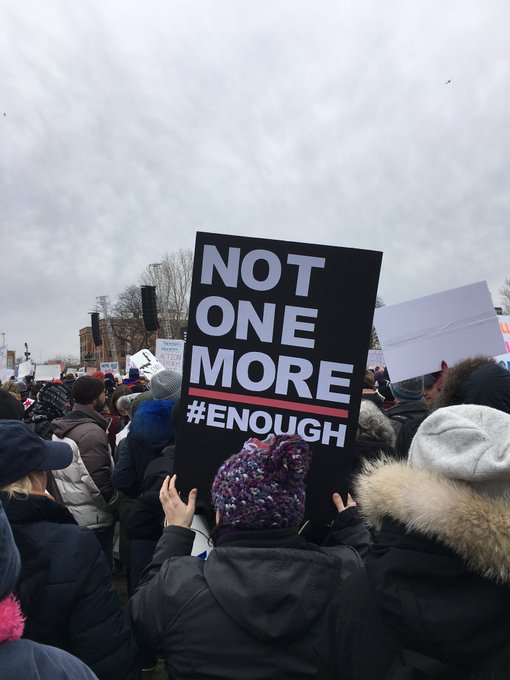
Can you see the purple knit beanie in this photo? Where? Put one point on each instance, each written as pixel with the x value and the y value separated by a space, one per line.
pixel 263 486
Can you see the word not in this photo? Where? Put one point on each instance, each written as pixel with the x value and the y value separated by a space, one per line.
pixel 229 271
pixel 261 422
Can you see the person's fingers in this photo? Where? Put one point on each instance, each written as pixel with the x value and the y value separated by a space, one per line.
pixel 337 500
pixel 192 499
pixel 164 486
pixel 350 500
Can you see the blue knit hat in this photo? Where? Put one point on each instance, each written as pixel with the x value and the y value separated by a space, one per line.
pixel 263 486
pixel 408 390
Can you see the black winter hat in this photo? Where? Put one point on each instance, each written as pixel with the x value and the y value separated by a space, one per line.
pixel 86 389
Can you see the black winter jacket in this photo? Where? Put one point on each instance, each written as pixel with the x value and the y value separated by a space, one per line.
pixel 436 585
pixel 252 610
pixel 65 588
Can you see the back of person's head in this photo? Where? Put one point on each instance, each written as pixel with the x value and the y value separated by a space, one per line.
pixel 469 443
pixel 10 407
pixel 12 387
pixel 374 425
pixel 55 396
pixel 23 452
pixel 263 486
pixel 408 390
pixel 477 380
pixel 166 385
pixel 369 380
pixel 87 389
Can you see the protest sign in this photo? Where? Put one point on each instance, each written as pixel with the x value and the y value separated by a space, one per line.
pixel 170 353
pixel 25 368
pixel 146 363
pixel 375 358
pixel 416 336
pixel 109 367
pixel 129 362
pixel 3 357
pixel 47 372
pixel 277 342
pixel 5 374
pixel 504 324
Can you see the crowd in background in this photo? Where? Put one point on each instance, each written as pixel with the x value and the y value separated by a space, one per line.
pixel 410 579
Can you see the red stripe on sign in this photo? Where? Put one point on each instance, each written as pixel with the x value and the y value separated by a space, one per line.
pixel 264 401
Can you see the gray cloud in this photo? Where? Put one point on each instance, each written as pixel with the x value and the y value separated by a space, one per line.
pixel 129 126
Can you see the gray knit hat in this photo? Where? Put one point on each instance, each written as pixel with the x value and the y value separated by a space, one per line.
pixel 467 442
pixel 166 385
pixel 408 390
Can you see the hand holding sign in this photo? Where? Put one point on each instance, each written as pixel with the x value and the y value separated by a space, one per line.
pixel 177 513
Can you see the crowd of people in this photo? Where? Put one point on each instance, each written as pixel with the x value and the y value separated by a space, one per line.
pixel 410 579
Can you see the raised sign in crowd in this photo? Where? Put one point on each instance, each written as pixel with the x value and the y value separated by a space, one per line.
pixel 275 505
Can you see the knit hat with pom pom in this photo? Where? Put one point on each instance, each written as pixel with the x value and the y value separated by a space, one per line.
pixel 263 486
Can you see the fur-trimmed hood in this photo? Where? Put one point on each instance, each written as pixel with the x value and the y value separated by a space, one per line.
pixel 474 526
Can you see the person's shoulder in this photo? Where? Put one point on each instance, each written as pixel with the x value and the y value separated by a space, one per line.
pixel 19 658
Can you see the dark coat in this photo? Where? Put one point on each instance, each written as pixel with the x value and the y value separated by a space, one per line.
pixel 65 588
pixel 151 430
pixel 405 418
pixel 27 660
pixel 252 610
pixel 436 586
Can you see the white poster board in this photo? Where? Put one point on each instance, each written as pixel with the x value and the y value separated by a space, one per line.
pixel 375 358
pixel 109 367
pixel 5 374
pixel 47 372
pixel 129 363
pixel 147 363
pixel 170 353
pixel 3 357
pixel 504 324
pixel 416 336
pixel 25 369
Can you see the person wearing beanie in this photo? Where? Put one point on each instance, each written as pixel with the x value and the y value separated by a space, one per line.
pixel 86 485
pixel 409 411
pixel 64 587
pixel 434 597
pixel 166 385
pixel 52 402
pixel 477 380
pixel 254 608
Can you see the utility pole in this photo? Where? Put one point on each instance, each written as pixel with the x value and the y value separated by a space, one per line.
pixel 103 306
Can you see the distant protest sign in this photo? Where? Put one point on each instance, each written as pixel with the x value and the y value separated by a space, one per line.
pixel 25 368
pixel 277 342
pixel 3 357
pixel 47 372
pixel 109 367
pixel 146 363
pixel 416 336
pixel 170 353
pixel 504 324
pixel 375 358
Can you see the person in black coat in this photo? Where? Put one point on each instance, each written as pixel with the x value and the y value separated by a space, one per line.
pixel 64 588
pixel 434 597
pixel 254 608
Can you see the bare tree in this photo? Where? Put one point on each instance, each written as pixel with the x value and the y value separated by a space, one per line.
pixel 127 322
pixel 504 291
pixel 172 278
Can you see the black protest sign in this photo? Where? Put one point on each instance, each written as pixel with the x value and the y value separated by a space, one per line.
pixel 277 341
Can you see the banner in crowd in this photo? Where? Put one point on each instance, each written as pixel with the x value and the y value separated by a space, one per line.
pixel 109 367
pixel 47 372
pixel 504 324
pixel 416 336
pixel 170 353
pixel 129 363
pixel 277 342
pixel 146 363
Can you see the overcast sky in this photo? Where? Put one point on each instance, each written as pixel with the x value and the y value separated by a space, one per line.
pixel 127 126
